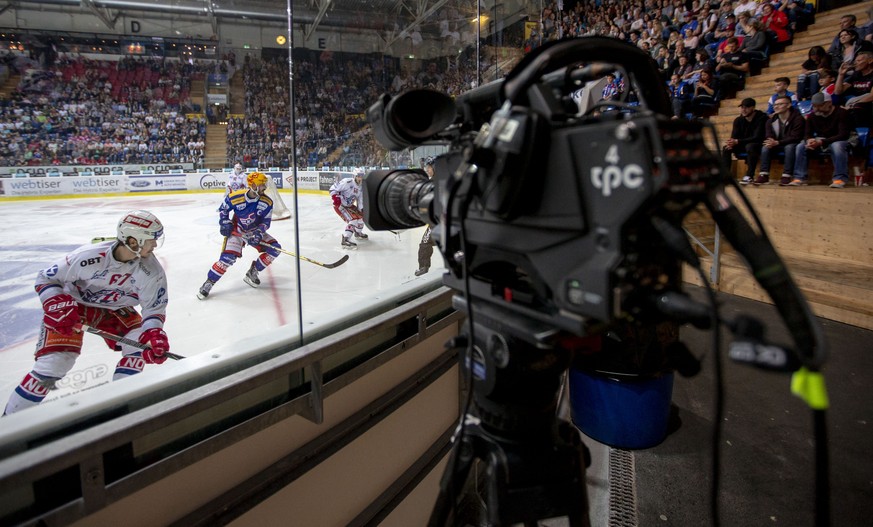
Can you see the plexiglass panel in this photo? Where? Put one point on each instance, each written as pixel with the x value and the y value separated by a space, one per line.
pixel 151 106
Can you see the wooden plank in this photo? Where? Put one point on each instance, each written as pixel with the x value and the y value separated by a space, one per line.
pixel 855 309
pixel 818 221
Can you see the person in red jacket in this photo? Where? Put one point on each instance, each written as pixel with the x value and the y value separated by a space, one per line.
pixel 775 22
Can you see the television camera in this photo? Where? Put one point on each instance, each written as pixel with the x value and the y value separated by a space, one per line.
pixel 557 226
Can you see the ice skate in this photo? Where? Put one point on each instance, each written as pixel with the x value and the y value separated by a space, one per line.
pixel 348 244
pixel 361 236
pixel 205 289
pixel 421 270
pixel 251 276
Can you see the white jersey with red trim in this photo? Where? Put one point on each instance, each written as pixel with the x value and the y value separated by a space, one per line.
pixel 348 191
pixel 236 181
pixel 93 277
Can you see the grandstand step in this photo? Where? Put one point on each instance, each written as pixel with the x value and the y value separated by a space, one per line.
pixel 848 302
pixel 198 92
pixel 9 86
pixel 216 146
pixel 825 237
pixel 820 171
pixel 237 93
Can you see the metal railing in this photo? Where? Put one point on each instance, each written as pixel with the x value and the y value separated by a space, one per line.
pixel 715 253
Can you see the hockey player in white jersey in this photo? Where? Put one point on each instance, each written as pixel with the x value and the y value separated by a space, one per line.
pixel 346 197
pixel 99 285
pixel 237 179
pixel 252 210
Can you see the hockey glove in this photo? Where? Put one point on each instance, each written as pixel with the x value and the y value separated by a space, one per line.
pixel 254 238
pixel 61 313
pixel 354 210
pixel 337 201
pixel 225 227
pixel 157 339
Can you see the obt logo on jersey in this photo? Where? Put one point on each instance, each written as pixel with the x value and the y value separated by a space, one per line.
pixel 89 261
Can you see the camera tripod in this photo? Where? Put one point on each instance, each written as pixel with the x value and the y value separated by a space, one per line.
pixel 534 463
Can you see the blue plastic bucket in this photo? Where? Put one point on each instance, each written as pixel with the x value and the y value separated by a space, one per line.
pixel 623 411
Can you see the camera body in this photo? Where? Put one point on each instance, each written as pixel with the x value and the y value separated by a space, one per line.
pixel 555 208
pixel 562 234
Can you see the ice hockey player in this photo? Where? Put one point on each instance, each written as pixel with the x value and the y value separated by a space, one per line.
pixel 99 285
pixel 237 179
pixel 425 247
pixel 346 197
pixel 248 224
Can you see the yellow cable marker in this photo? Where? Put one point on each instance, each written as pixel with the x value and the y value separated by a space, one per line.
pixel 810 386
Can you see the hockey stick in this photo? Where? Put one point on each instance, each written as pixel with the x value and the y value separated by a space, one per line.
pixel 310 260
pixel 121 340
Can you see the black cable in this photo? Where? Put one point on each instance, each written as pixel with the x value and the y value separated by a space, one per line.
pixel 822 470
pixel 718 409
pixel 677 241
pixel 822 462
pixel 468 402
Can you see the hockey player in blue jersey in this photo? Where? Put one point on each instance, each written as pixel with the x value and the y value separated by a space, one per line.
pixel 244 217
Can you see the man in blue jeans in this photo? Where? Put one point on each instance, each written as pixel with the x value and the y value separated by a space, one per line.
pixel 783 132
pixel 827 130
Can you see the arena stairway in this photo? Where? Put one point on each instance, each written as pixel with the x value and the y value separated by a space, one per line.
pixel 216 146
pixel 9 86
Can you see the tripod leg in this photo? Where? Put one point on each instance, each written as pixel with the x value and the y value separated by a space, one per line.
pixel 530 482
pixel 452 483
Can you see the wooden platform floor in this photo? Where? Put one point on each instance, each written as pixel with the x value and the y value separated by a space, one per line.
pixel 825 238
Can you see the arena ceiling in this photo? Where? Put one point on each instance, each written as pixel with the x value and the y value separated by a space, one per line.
pixel 378 14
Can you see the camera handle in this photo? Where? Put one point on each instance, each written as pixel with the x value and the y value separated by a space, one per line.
pixel 560 53
pixel 534 463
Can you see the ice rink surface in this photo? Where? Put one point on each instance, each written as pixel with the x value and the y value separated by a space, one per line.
pixel 39 232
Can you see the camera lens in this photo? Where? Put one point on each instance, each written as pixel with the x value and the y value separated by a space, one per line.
pixel 404 197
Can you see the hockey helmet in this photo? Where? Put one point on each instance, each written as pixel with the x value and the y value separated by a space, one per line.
pixel 238 169
pixel 141 225
pixel 428 161
pixel 256 179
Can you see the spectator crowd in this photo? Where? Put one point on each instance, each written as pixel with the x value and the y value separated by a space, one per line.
pixel 134 110
pixel 82 111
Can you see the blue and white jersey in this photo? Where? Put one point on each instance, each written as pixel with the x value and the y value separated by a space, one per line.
pixel 249 214
pixel 93 277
